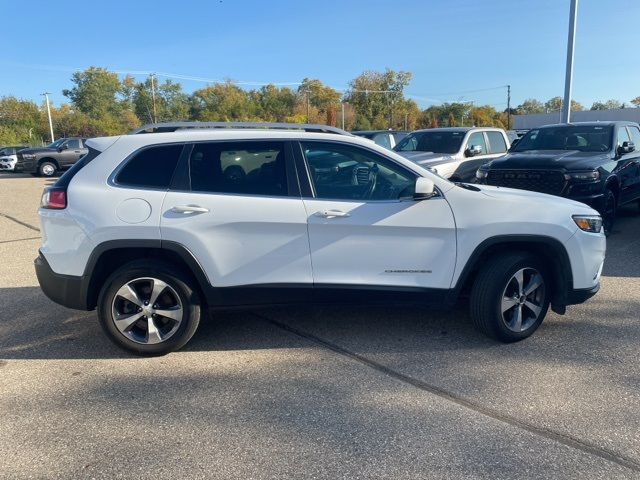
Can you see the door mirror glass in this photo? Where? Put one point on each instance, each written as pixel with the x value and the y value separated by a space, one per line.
pixel 474 150
pixel 425 189
pixel 627 147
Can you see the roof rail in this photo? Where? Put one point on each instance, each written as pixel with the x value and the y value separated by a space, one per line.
pixel 175 126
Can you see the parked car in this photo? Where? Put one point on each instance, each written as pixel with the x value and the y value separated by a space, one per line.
pixel 226 217
pixel 46 161
pixel 596 163
pixel 384 138
pixel 8 157
pixel 454 153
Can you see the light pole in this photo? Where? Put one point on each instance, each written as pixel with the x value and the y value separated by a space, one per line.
pixel 46 97
pixel 568 79
pixel 342 107
pixel 153 96
pixel 508 107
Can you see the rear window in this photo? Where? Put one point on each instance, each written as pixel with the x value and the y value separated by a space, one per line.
pixel 151 167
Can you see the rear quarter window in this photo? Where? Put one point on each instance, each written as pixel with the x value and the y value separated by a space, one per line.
pixel 151 167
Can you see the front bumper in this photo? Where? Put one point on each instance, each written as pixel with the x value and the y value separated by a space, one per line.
pixel 25 166
pixel 67 290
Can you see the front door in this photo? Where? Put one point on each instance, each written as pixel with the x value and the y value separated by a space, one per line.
pixel 73 151
pixel 239 214
pixel 365 229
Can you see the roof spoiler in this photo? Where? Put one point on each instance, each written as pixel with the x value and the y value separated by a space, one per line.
pixel 175 126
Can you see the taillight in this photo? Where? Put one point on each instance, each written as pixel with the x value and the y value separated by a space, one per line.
pixel 54 198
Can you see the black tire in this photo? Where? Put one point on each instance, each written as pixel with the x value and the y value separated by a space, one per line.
pixel 492 281
pixel 180 283
pixel 47 169
pixel 609 212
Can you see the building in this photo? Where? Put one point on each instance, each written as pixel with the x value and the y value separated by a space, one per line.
pixel 539 119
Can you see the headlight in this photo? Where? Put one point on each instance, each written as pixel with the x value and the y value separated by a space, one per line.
pixel 588 223
pixel 482 174
pixel 589 176
pixel 28 156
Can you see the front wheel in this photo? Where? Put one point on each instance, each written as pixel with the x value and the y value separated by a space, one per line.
pixel 609 212
pixel 510 297
pixel 149 308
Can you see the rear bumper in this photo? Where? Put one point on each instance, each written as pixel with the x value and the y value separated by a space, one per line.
pixel 67 290
pixel 581 295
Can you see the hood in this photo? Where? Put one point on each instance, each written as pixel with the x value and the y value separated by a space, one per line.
pixel 427 159
pixel 549 159
pixel 542 199
pixel 38 150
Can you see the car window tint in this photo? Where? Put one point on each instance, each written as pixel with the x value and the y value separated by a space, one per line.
pixel 250 168
pixel 623 136
pixel 635 136
pixel 477 138
pixel 151 167
pixel 346 172
pixel 496 142
pixel 73 143
pixel 383 140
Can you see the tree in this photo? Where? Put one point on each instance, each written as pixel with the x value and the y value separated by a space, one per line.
pixel 555 105
pixel 376 95
pixel 20 121
pixel 530 106
pixel 96 92
pixel 276 104
pixel 636 102
pixel 223 102
pixel 171 103
pixel 608 105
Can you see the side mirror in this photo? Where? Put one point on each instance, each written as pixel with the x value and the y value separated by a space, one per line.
pixel 627 147
pixel 425 189
pixel 64 146
pixel 474 150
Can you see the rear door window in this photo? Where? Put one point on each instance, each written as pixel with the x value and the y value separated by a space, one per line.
pixel 244 168
pixel 635 136
pixel 151 167
pixel 496 142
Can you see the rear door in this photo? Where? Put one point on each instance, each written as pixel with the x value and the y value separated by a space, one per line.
pixel 239 211
pixel 365 229
pixel 73 151
pixel 627 168
pixel 634 167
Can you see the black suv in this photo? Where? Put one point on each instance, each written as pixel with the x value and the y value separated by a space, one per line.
pixel 593 162
pixel 46 161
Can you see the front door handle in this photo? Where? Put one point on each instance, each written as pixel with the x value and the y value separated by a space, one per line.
pixel 189 209
pixel 332 214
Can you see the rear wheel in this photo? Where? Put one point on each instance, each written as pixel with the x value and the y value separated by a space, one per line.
pixel 47 169
pixel 510 297
pixel 609 211
pixel 149 308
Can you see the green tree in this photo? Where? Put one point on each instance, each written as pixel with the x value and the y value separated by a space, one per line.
pixel 530 106
pixel 275 104
pixel 172 104
pixel 96 92
pixel 376 95
pixel 223 102
pixel 608 105
pixel 636 102
pixel 20 121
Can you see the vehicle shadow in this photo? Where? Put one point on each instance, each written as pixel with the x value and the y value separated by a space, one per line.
pixel 623 246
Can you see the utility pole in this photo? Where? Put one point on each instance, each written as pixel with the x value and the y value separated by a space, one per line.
pixel 46 96
pixel 508 107
pixel 568 79
pixel 153 96
pixel 342 106
pixel 307 105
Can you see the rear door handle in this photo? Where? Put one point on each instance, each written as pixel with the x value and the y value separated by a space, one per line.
pixel 189 209
pixel 332 214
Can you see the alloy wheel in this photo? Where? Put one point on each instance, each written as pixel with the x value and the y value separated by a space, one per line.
pixel 523 300
pixel 147 310
pixel 48 170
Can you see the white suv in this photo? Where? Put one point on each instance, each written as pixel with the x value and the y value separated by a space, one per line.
pixel 155 229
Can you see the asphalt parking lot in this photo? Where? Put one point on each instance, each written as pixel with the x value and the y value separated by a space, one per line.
pixel 350 392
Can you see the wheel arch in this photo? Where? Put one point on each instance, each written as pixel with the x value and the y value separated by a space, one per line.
pixel 111 255
pixel 548 248
pixel 50 160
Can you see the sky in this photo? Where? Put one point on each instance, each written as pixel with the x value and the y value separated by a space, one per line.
pixel 457 50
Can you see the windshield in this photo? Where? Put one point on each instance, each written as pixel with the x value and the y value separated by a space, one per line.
pixel 57 143
pixel 434 141
pixel 569 137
